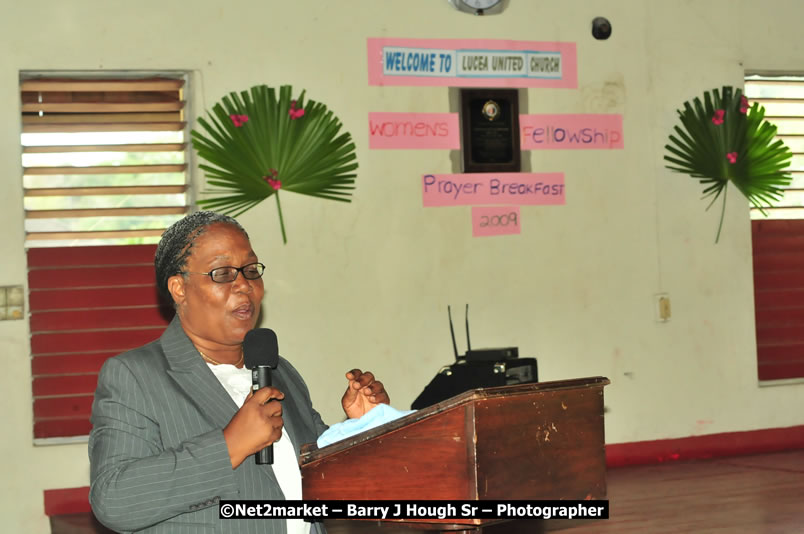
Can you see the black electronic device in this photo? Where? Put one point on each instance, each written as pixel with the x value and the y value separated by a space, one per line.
pixel 261 354
pixel 479 368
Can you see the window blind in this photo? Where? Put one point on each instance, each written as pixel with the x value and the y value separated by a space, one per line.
pixel 103 159
pixel 87 304
pixel 778 240
pixel 104 173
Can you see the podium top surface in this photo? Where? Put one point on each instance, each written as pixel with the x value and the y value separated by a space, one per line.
pixel 310 452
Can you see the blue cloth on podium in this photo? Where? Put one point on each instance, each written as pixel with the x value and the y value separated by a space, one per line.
pixel 379 415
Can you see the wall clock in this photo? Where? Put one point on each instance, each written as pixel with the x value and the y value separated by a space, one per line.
pixel 479 7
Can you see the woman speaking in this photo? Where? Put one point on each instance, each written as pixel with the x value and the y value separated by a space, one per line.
pixel 174 423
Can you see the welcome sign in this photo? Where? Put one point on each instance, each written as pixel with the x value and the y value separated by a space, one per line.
pixel 472 63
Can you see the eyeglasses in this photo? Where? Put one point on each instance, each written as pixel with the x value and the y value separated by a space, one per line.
pixel 222 275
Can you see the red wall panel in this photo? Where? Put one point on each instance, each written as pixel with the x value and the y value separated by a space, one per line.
pixel 111 297
pixel 59 385
pixel 87 304
pixel 778 248
pixel 67 501
pixel 102 318
pixel 69 277
pixel 57 428
pixel 109 255
pixel 87 363
pixel 111 340
pixel 48 408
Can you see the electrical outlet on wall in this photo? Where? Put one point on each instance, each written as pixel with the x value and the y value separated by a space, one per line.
pixel 12 302
pixel 661 307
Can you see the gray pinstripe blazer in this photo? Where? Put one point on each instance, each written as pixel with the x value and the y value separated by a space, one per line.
pixel 159 463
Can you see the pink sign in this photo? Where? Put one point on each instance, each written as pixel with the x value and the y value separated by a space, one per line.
pixel 495 220
pixel 571 131
pixel 511 188
pixel 472 63
pixel 414 130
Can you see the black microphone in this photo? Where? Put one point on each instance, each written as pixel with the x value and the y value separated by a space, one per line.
pixel 261 353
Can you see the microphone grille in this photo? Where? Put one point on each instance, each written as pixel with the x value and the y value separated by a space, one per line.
pixel 260 348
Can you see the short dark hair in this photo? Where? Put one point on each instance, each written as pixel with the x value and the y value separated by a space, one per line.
pixel 177 241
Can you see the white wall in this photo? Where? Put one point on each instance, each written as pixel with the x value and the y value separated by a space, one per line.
pixel 367 284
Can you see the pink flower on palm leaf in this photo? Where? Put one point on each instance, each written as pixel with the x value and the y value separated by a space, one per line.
pixel 272 180
pixel 295 113
pixel 239 120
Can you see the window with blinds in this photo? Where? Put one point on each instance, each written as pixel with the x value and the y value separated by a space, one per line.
pixel 87 304
pixel 104 173
pixel 783 99
pixel 104 160
pixel 778 240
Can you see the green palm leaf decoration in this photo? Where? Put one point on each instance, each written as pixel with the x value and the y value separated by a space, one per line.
pixel 721 140
pixel 258 143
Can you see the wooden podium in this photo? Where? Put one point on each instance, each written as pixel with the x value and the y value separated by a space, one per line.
pixel 540 441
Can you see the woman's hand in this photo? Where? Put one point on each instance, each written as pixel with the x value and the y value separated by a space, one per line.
pixel 362 394
pixel 257 424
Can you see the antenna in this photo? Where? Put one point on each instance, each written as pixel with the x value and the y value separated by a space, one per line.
pixel 468 343
pixel 452 332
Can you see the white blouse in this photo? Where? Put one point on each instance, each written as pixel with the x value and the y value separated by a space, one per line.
pixel 237 383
